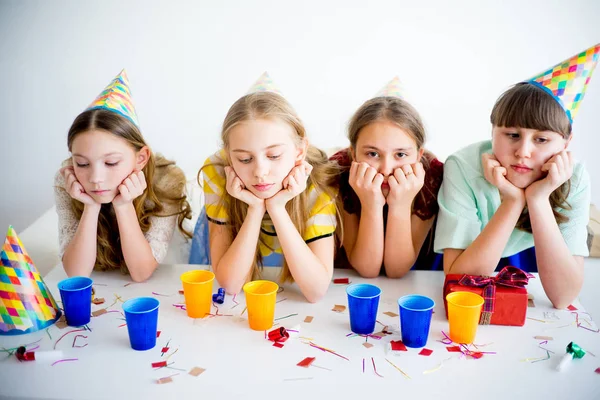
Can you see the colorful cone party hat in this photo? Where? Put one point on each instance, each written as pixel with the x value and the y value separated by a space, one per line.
pixel 26 304
pixel 116 97
pixel 568 80
pixel 264 84
pixel 392 89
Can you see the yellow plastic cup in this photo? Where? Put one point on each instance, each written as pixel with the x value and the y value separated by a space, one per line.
pixel 197 290
pixel 464 310
pixel 260 300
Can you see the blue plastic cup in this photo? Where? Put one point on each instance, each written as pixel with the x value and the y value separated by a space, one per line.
pixel 363 300
pixel 76 296
pixel 141 315
pixel 415 318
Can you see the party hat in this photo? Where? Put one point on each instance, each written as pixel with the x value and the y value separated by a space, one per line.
pixel 392 89
pixel 116 97
pixel 26 304
pixel 568 80
pixel 264 84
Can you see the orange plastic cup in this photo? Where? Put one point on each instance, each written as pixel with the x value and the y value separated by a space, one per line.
pixel 260 300
pixel 197 290
pixel 464 310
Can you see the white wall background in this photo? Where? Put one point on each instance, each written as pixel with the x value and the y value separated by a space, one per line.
pixel 189 61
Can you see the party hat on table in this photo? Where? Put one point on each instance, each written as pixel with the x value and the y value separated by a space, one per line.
pixel 26 304
pixel 567 81
pixel 116 97
pixel 264 84
pixel 391 89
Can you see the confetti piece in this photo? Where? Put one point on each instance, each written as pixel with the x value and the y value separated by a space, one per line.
pixel 59 339
pixel 597 370
pixel 341 281
pixel 98 301
pixel 164 350
pixel 425 352
pixel 287 316
pixel 159 364
pixel 62 322
pixel 306 362
pixel 122 325
pixel 180 291
pixel 157 333
pixel 279 301
pixel 66 359
pixel 439 366
pixel 75 339
pixel 127 284
pixel 543 337
pixel 196 371
pixel 159 294
pixel 48 332
pixel 538 320
pixel 308 319
pixel 367 345
pixel 278 344
pixel 318 366
pixel 402 372
pixel 338 308
pixel 391 314
pixel 99 312
pixel 166 379
pixel 398 345
pixel 327 350
pixel 530 303
pixel 572 308
pixel 375 368
pixel 453 349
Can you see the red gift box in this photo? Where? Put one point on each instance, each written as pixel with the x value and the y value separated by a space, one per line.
pixel 505 295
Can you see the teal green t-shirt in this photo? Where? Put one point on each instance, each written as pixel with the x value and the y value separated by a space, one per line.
pixel 467 202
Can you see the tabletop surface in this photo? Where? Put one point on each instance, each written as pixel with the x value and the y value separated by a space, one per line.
pixel 239 361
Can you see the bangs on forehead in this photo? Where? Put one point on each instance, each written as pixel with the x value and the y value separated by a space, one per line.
pixel 527 106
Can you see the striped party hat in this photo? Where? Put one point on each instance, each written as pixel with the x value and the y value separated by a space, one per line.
pixel 26 304
pixel 392 89
pixel 568 80
pixel 264 84
pixel 116 97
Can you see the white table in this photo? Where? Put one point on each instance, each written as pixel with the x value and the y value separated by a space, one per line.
pixel 240 361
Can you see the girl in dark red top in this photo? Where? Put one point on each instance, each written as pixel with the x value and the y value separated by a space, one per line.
pixel 388 186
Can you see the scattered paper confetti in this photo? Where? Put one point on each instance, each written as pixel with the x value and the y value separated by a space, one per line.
pixel 66 359
pixel 391 314
pixel 62 322
pixel 167 379
pixel 180 291
pixel 543 337
pixel 453 349
pixel 340 281
pixel 375 368
pixel 530 303
pixel 398 345
pixel 164 350
pixel 278 344
pixel 425 352
pixel 159 364
pixel 338 308
pixel 306 362
pixel 597 370
pixel 98 301
pixel 196 371
pixel 572 308
pixel 287 316
pixel 402 372
pixel 367 345
pixel 308 319
pixel 157 333
pixel 99 312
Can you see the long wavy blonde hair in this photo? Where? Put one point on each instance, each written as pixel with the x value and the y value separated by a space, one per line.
pixel 528 106
pixel 271 106
pixel 165 185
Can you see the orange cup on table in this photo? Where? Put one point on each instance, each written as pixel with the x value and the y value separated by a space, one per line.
pixel 464 310
pixel 260 300
pixel 197 290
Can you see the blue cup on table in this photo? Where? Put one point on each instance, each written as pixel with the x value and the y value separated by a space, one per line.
pixel 415 319
pixel 141 315
pixel 363 301
pixel 76 297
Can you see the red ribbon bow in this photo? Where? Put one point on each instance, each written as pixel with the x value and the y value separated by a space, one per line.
pixel 508 276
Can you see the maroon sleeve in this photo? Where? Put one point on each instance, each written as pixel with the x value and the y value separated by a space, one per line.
pixel 426 205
